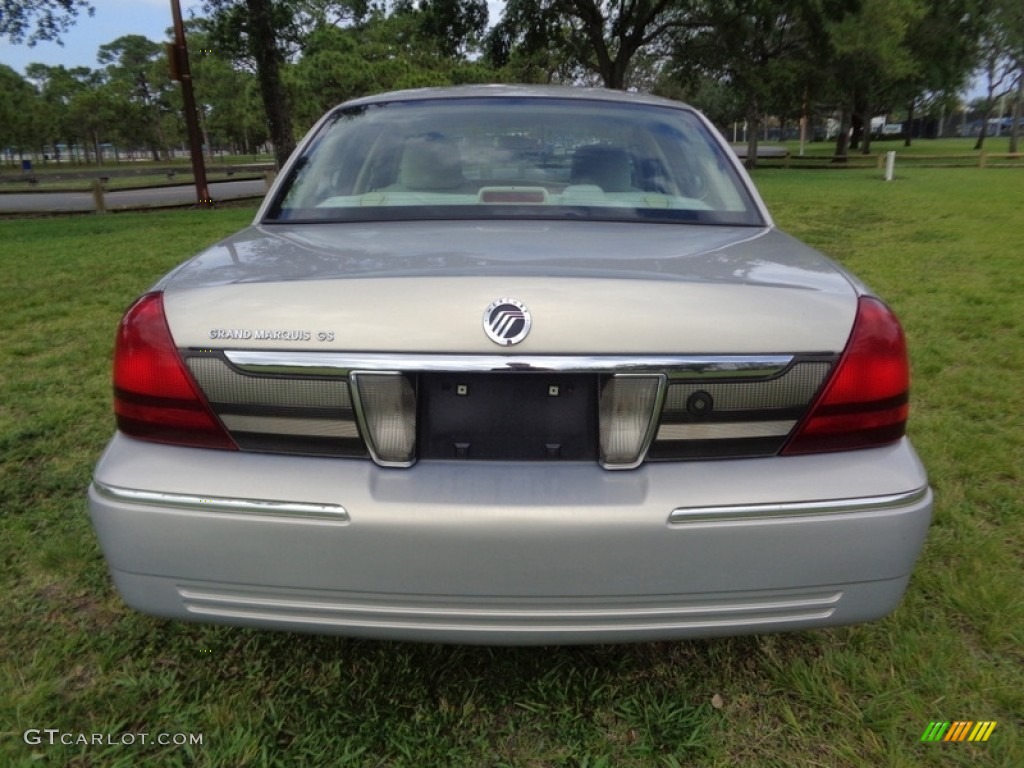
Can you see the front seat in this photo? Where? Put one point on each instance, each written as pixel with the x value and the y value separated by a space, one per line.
pixel 607 167
pixel 430 163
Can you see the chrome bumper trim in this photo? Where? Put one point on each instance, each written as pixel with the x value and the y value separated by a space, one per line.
pixel 257 507
pixel 728 430
pixel 675 366
pixel 753 512
pixel 290 425
pixel 503 616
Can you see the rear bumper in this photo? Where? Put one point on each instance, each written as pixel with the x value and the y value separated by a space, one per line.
pixel 510 553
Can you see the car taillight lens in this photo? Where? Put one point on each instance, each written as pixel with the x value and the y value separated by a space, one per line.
pixel 628 415
pixel 865 402
pixel 154 395
pixel 386 407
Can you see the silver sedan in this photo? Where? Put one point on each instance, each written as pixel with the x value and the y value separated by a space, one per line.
pixel 511 365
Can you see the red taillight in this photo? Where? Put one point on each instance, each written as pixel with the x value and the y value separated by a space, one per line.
pixel 864 403
pixel 154 395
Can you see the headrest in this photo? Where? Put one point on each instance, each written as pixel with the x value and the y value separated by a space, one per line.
pixel 430 162
pixel 607 167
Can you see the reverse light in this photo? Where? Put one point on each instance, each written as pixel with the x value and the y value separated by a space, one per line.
pixel 386 410
pixel 865 402
pixel 628 415
pixel 154 396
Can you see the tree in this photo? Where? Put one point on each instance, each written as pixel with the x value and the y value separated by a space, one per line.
pixel 454 26
pixel 137 68
pixel 264 48
pixel 227 96
pixel 384 51
pixel 18 107
pixel 770 52
pixel 528 48
pixel 259 30
pixel 869 60
pixel 1011 16
pixel 58 87
pixel 1002 59
pixel 98 114
pixel 943 46
pixel 604 36
pixel 329 50
pixel 34 20
pixel 266 34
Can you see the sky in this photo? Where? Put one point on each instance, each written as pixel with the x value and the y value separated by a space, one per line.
pixel 113 18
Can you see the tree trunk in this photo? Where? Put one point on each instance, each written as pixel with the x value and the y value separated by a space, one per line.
pixel 1018 105
pixel 842 140
pixel 753 123
pixel 990 104
pixel 865 148
pixel 857 124
pixel 982 132
pixel 263 41
pixel 165 147
pixel 909 127
pixel 615 74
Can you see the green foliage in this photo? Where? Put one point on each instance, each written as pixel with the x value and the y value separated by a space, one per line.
pixel 943 45
pixel 61 90
pixel 138 76
pixel 455 27
pixel 605 38
pixel 869 47
pixel 227 94
pixel 769 53
pixel 19 111
pixel 32 21
pixel 383 52
pixel 871 60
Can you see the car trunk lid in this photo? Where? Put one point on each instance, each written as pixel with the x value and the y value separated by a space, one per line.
pixel 591 289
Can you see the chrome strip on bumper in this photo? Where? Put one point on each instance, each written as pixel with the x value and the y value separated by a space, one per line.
pixel 752 512
pixel 265 507
pixel 675 366
pixel 496 615
pixel 728 430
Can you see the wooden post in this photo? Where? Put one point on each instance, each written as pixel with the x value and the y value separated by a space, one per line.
pixel 181 71
pixel 97 196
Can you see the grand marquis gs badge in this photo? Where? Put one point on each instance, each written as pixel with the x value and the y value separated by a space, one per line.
pixel 506 321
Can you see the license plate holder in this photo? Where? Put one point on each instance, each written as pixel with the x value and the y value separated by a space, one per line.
pixel 508 416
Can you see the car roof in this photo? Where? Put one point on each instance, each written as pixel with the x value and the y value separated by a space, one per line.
pixel 516 92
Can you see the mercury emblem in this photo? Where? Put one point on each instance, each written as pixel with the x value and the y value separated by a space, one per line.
pixel 506 321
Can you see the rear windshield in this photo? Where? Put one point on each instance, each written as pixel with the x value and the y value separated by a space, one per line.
pixel 514 158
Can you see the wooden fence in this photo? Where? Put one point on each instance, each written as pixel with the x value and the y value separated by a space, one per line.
pixel 903 159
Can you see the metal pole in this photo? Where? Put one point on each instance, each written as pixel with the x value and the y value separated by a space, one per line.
pixel 181 68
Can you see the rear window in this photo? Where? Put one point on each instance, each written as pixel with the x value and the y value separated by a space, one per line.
pixel 514 158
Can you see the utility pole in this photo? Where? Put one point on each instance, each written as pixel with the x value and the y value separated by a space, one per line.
pixel 180 71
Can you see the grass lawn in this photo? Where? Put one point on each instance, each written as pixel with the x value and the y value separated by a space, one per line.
pixel 942 246
pixel 950 152
pixel 946 146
